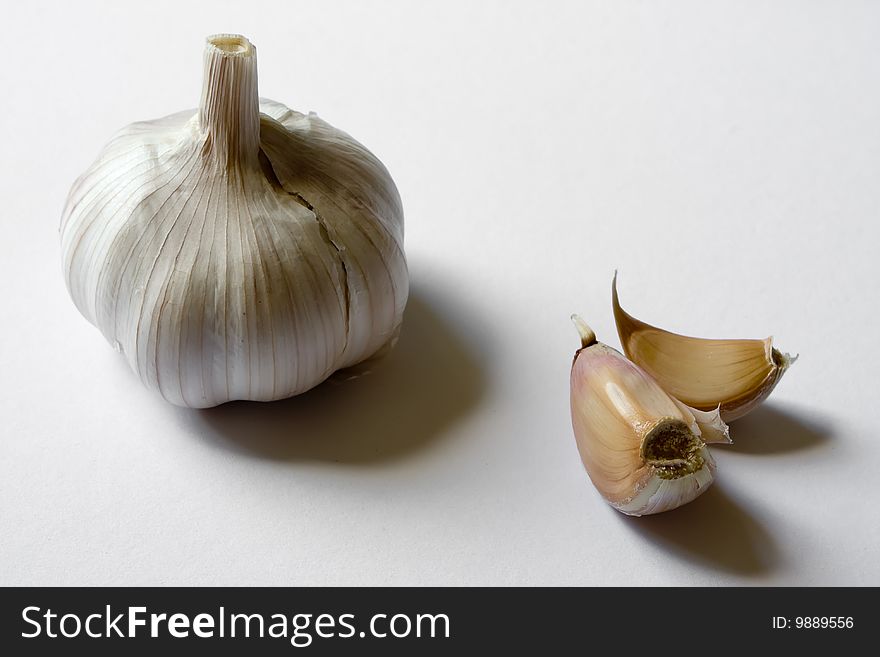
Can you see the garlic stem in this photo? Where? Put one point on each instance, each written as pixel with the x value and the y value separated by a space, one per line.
pixel 229 110
pixel 588 337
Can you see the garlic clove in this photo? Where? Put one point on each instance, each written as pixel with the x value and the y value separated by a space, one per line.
pixel 241 250
pixel 643 450
pixel 732 376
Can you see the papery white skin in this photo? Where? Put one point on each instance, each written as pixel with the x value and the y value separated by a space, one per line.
pixel 660 495
pixel 240 251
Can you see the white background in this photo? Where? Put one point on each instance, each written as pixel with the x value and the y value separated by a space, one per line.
pixel 725 157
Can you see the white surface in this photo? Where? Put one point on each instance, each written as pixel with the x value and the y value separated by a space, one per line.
pixel 724 158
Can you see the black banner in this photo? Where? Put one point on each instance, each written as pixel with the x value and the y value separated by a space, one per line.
pixel 428 621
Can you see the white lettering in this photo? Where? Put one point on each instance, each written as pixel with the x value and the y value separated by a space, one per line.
pixel 112 625
pixel 178 625
pixel 77 624
pixel 343 622
pixel 373 626
pixel 396 618
pixel 203 626
pixel 24 616
pixel 49 616
pixel 155 619
pixel 298 635
pixel 281 624
pixel 134 621
pixel 247 623
pixel 89 626
pixel 433 618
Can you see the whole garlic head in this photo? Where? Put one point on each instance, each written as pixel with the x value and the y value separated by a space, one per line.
pixel 239 251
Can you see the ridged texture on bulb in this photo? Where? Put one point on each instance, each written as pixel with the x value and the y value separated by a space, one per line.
pixel 644 451
pixel 735 375
pixel 239 251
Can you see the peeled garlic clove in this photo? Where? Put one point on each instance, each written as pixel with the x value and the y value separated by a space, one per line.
pixel 733 375
pixel 644 451
pixel 242 250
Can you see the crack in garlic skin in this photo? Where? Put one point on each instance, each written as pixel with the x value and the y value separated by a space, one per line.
pixel 340 253
pixel 219 281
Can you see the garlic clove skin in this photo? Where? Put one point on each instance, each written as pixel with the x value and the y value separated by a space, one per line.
pixel 238 251
pixel 643 450
pixel 713 429
pixel 733 376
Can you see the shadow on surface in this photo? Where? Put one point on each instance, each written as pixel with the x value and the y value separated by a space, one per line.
pixel 712 530
pixel 406 400
pixel 770 430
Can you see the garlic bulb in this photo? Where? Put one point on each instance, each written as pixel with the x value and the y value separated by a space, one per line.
pixel 644 451
pixel 239 251
pixel 736 375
